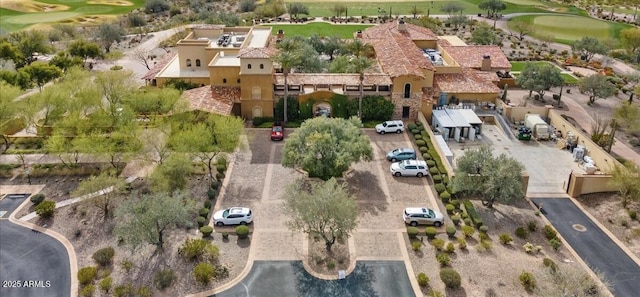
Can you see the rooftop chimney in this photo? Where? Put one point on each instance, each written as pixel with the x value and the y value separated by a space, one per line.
pixel 359 34
pixel 401 26
pixel 486 63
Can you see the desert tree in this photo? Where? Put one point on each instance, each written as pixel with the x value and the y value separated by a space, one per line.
pixel 596 86
pixel 415 11
pixel 452 8
pixel 84 49
pixel 147 218
pixel 630 39
pixel 40 73
pixel 142 56
pixel 522 27
pixel 485 35
pixel 9 108
pixel 108 34
pixel 297 8
pixel 103 190
pixel 338 9
pixel 28 43
pixel 588 47
pixel 493 7
pixel 171 175
pixel 117 147
pixel 322 209
pixel 115 87
pixel 627 115
pixel 625 179
pixel 494 178
pixel 326 147
pixel 539 78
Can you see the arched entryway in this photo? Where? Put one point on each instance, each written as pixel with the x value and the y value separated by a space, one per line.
pixel 256 112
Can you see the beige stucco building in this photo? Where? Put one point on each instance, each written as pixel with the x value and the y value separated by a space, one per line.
pixel 416 70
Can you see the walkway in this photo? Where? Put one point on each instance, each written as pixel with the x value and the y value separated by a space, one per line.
pixel 597 249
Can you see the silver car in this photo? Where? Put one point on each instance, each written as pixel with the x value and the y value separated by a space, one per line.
pixel 233 216
pixel 409 168
pixel 415 216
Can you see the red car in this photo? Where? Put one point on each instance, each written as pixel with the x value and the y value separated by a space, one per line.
pixel 277 131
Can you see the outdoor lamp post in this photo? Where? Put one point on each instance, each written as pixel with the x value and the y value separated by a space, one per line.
pixel 28 172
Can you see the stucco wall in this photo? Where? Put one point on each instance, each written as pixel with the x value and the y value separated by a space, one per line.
pixel 580 184
pixel 255 66
pixel 220 73
pixel 200 81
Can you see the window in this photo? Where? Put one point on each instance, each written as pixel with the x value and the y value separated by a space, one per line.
pixel 238 80
pixel 261 66
pixel 188 62
pixel 224 80
pixel 249 66
pixel 197 62
pixel 407 90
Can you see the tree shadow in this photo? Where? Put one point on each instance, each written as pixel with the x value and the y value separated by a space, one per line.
pixel 244 243
pixel 365 188
pixel 358 283
pixel 460 292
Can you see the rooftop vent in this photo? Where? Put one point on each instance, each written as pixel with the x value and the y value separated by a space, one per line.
pixel 401 26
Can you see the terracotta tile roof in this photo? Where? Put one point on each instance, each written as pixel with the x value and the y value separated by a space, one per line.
pixel 333 79
pixel 151 74
pixel 412 32
pixel 428 94
pixel 468 81
pixel 471 55
pixel 256 52
pixel 400 56
pixel 217 100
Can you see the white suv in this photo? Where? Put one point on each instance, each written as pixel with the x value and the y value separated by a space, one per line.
pixel 233 216
pixel 390 127
pixel 423 216
pixel 410 168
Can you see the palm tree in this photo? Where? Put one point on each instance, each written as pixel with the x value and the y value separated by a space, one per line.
pixel 359 48
pixel 360 65
pixel 288 57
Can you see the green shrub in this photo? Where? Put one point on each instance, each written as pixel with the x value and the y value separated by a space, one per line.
pixel 225 235
pixel 420 142
pixel 443 259
pixel 549 232
pixel 475 217
pixel 427 157
pixel 423 149
pixel 532 226
pixel 423 279
pixel 212 193
pixel 257 121
pixel 144 292
pixel 418 124
pixel 464 215
pixel 456 203
pixel 468 231
pixel 484 229
pixel 416 245
pixel 483 236
pixel 431 163
pixel 462 243
pixel 528 281
pixel 450 278
pixel 555 243
pixel 206 231
pixel 455 219
pixel 440 188
pixel 505 238
pixel 437 179
pixel 126 265
pixel 207 204
pixel 450 248
pixel 521 232
pixel 412 232
pixel 242 232
pixel 46 209
pixel 412 126
pixel 449 208
pixel 417 136
pixel 221 168
pixel 124 290
pixel 550 264
pixel 203 272
pixel 87 291
pixel 104 256
pixel 485 245
pixel 632 214
pixel 331 265
pixel 105 284
pixel 219 176
pixel 467 221
pixel 215 184
pixel 434 293
pixel 451 231
pixel 201 221
pixel 164 279
pixel 87 275
pixel 445 196
pixel 204 212
pixel 434 170
pixel 437 243
pixel 199 249
pixel 37 198
pixel 430 232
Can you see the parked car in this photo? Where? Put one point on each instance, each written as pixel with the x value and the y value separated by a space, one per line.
pixel 422 216
pixel 323 111
pixel 277 131
pixel 401 154
pixel 409 168
pixel 233 216
pixel 390 127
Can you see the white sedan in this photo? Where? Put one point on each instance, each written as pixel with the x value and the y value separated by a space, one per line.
pixel 233 216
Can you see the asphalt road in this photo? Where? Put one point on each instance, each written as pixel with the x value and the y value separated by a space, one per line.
pixel 32 264
pixel 593 245
pixel 289 279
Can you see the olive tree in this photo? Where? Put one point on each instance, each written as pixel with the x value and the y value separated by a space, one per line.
pixel 324 209
pixel 326 147
pixel 596 86
pixel 539 78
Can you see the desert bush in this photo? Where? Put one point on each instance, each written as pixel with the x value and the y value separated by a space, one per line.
pixel 126 265
pixel 449 208
pixel 547 262
pixel 207 204
pixel 46 209
pixel 455 203
pixel 225 235
pixel 423 279
pixel 450 248
pixel 445 196
pixel 440 188
pixel 201 221
pixel 486 244
pixel 462 243
pixel 204 212
pixel 203 272
pixel 212 193
pixel 331 265
pixel 483 236
pixel 87 291
pixel 451 231
pixel 437 179
pixel 416 245
pixel 484 229
pixel 412 232
pixel 420 143
pixel 467 230
pixel 443 259
pixel 434 293
pixel 143 292
pixel 434 170
pixel 242 232
pixel 532 226
pixel 104 256
pixel 438 244
pixel 37 199
pixel 430 232
pixel 555 244
pixel 206 231
pixel 475 218
pixel 164 278
pixel 427 157
pixel 528 281
pixel 549 232
pixel 632 214
pixel 528 247
pixel 123 290
pixel 87 275
pixel 199 249
pixel 521 232
pixel 431 163
pixel 450 277
pixel 467 222
pixel 455 219
pixel 505 238
pixel 105 284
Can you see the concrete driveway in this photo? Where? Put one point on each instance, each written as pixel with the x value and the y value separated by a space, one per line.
pixel 592 245
pixel 289 278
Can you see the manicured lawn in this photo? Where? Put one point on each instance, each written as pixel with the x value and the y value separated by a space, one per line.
pixel 518 66
pixel 322 29
pixel 568 78
pixel 569 28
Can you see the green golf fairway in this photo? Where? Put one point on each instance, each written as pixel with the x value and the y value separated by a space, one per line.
pixel 569 28
pixel 322 29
